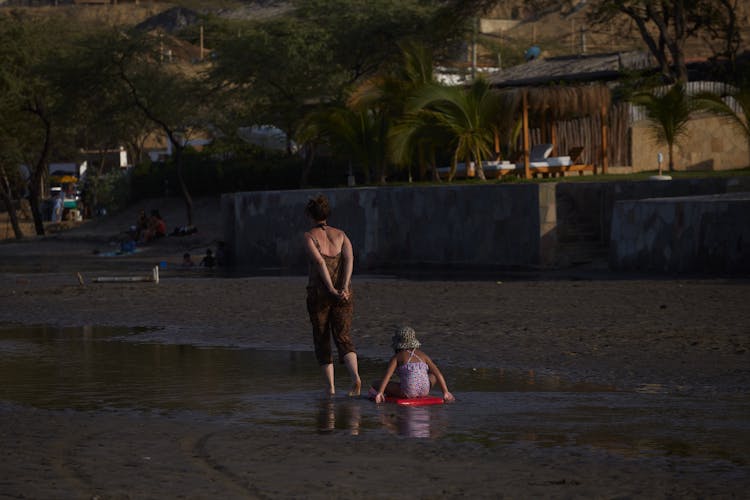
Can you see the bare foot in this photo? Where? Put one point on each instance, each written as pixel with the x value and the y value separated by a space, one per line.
pixel 356 388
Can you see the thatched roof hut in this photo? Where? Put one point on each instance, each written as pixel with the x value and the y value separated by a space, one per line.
pixel 564 88
pixel 562 102
pixel 572 69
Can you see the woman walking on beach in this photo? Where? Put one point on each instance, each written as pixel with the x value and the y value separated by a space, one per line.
pixel 329 295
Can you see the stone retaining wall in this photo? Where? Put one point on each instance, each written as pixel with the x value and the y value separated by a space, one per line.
pixel 529 225
pixel 684 234
pixel 392 227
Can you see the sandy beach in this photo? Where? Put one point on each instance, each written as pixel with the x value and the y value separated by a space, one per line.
pixel 675 349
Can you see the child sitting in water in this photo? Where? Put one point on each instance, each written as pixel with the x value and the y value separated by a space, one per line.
pixel 416 371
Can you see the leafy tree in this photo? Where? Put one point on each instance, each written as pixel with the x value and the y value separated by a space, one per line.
pixel 284 68
pixel 665 26
pixel 173 100
pixel 723 28
pixel 668 112
pixel 103 109
pixel 10 179
pixel 278 70
pixel 365 35
pixel 31 86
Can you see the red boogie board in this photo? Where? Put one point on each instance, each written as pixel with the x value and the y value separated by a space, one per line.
pixel 423 401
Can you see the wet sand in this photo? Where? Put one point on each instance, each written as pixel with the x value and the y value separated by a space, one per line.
pixel 677 337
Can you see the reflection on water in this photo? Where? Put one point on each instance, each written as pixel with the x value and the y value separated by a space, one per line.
pixel 93 368
pixel 501 380
pixel 100 369
pixel 414 421
pixel 333 415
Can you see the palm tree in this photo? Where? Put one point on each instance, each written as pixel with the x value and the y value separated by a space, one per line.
pixel 417 136
pixel 739 116
pixel 668 113
pixel 356 135
pixel 469 116
pixel 387 93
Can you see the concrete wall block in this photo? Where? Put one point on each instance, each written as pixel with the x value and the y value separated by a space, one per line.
pixel 487 225
pixel 683 234
pixel 506 225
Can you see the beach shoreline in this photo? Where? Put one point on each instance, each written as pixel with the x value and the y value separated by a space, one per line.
pixel 678 337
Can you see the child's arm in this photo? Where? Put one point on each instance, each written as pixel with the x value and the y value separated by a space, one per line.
pixel 440 379
pixel 380 397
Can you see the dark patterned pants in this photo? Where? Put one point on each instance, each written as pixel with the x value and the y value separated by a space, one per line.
pixel 330 318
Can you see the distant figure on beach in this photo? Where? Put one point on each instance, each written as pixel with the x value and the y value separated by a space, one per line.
pixel 221 254
pixel 416 371
pixel 208 260
pixel 156 228
pixel 141 225
pixel 187 260
pixel 58 207
pixel 330 302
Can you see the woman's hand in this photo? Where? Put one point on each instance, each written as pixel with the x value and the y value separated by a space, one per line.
pixel 448 397
pixel 380 398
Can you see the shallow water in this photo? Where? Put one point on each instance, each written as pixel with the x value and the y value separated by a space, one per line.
pixel 108 369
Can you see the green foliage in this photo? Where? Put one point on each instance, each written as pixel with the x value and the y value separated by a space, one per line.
pixel 468 116
pixel 208 173
pixel 668 112
pixel 365 34
pixel 110 191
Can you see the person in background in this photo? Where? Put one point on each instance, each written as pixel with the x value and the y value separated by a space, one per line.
pixel 58 207
pixel 221 254
pixel 157 228
pixel 208 260
pixel 187 260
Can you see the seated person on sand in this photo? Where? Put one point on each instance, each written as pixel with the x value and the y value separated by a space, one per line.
pixel 209 260
pixel 221 254
pixel 157 228
pixel 416 371
pixel 187 261
pixel 141 224
pixel 184 230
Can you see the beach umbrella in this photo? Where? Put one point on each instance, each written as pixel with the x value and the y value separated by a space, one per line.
pixel 67 179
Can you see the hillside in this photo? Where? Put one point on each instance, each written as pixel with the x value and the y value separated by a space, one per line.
pixel 559 31
pixel 509 28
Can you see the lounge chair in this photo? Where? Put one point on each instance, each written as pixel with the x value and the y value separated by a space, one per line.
pixel 576 165
pixel 540 163
pixel 461 172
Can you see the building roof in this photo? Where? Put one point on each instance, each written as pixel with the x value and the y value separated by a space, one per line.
pixel 581 68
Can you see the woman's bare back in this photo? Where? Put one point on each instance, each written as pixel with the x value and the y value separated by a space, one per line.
pixel 330 240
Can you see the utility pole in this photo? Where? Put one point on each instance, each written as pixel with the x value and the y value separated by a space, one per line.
pixel 583 40
pixel 474 34
pixel 201 43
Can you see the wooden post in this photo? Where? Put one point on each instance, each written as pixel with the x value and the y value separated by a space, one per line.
pixel 553 137
pixel 526 140
pixel 605 155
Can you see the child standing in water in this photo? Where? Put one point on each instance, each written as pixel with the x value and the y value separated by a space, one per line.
pixel 416 371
